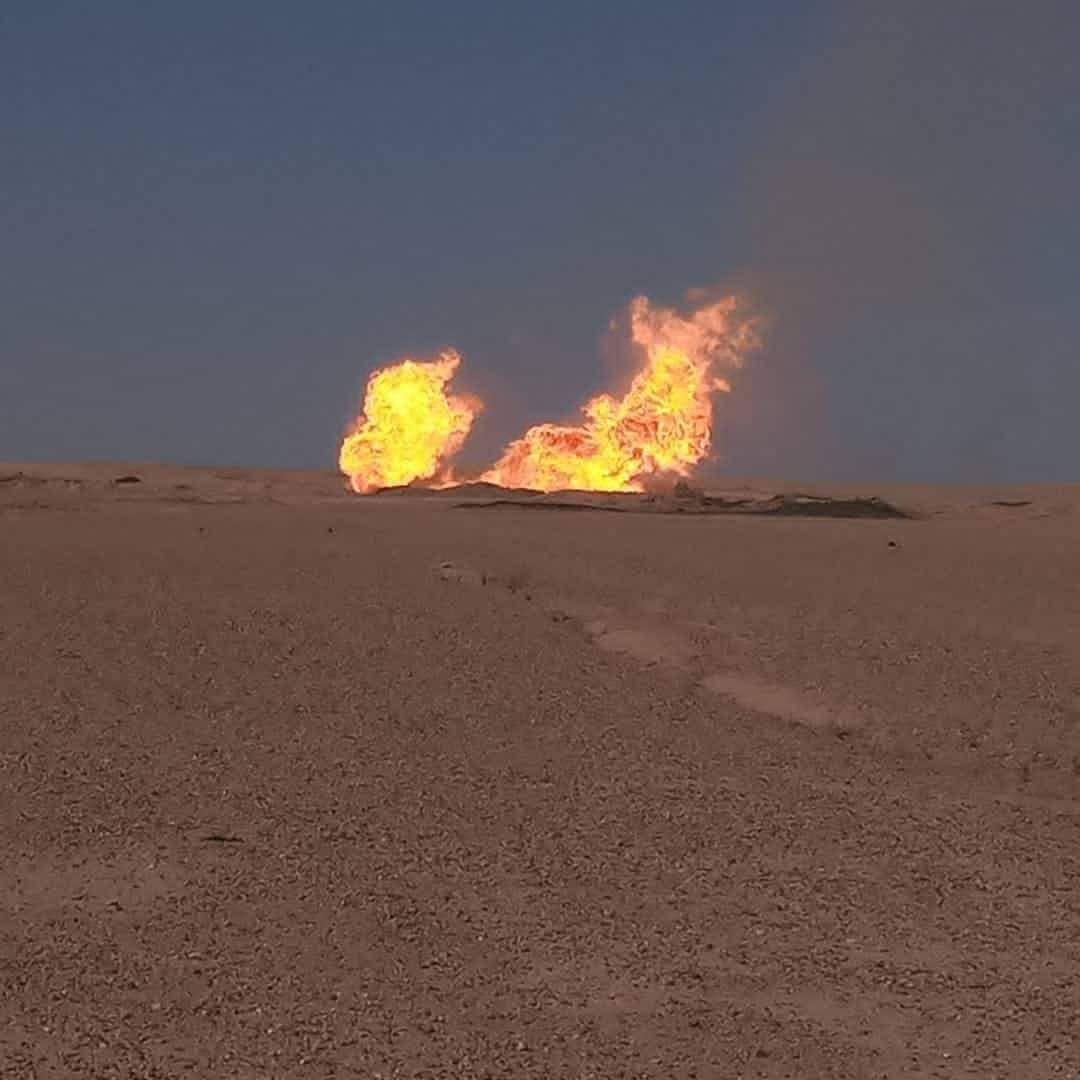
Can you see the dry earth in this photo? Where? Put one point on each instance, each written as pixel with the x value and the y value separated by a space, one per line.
pixel 296 784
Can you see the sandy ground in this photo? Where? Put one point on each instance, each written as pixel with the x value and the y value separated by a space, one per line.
pixel 297 784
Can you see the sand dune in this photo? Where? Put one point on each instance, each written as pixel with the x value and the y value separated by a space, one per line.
pixel 760 781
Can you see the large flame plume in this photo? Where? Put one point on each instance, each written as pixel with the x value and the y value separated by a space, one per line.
pixel 411 426
pixel 661 425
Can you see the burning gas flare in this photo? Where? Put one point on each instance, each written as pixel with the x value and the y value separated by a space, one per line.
pixel 661 425
pixel 410 427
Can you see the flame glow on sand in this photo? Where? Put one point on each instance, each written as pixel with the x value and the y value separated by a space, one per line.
pixel 411 426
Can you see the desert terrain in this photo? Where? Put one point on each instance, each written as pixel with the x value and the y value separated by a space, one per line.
pixel 299 784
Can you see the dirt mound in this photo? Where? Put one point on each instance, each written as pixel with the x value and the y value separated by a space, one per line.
pixel 687 501
pixel 825 506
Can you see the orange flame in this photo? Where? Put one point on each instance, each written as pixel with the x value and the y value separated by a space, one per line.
pixel 410 426
pixel 663 424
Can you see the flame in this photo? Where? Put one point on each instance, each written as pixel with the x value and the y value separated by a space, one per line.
pixel 410 426
pixel 663 424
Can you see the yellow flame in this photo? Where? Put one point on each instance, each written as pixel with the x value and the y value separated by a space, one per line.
pixel 663 424
pixel 410 426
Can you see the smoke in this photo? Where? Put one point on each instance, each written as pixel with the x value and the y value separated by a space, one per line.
pixel 915 242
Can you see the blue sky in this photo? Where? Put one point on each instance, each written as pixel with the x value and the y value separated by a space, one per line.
pixel 216 218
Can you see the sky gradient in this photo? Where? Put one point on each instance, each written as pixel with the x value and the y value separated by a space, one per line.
pixel 217 218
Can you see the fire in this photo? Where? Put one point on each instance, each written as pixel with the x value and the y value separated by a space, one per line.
pixel 662 424
pixel 410 427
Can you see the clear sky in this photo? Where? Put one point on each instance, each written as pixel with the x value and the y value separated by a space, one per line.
pixel 217 217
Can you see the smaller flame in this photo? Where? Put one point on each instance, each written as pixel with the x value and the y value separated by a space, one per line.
pixel 410 426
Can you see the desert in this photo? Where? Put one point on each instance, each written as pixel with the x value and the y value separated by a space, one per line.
pixel 301 784
pixel 540 542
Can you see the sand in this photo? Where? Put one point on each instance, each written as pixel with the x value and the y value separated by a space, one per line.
pixel 297 784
